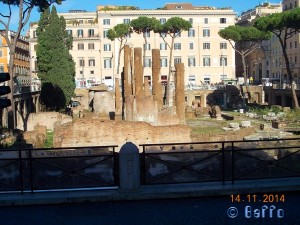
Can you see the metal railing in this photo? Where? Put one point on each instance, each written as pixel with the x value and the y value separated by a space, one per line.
pixel 60 168
pixel 219 161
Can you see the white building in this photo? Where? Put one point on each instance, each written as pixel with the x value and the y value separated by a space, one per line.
pixel 207 57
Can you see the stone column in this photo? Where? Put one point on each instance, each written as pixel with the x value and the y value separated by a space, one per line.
pixel 127 71
pixel 138 72
pixel 146 87
pixel 37 104
pixel 203 101
pixel 156 80
pixel 129 102
pixel 262 97
pixel 118 100
pixel 129 167
pixel 179 92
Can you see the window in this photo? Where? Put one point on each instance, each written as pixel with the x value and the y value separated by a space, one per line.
pixel 1 40
pixel 107 47
pixel 191 20
pixel 81 62
pixel 162 20
pixel 295 59
pixel 147 34
pixel 205 20
pixel 177 60
pixel 107 63
pixel 223 60
pixel 69 32
pixel 177 46
pixel 106 21
pixel 163 35
pixel 191 32
pixel 1 69
pixel 147 46
pixel 91 46
pixel 178 6
pixel 164 62
pixel 147 62
pixel 191 61
pixel 126 21
pixel 223 77
pixel 91 33
pixel 0 53
pixel 206 45
pixel 91 62
pixel 207 79
pixel 80 33
pixel 296 44
pixel 206 32
pixel 92 72
pixel 80 46
pixel 291 45
pixel 222 20
pixel 191 45
pixel 105 33
pixel 163 46
pixel 128 35
pixel 223 45
pixel 178 34
pixel 206 60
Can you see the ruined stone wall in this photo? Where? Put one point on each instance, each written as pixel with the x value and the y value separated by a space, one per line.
pixel 107 132
pixel 104 102
pixel 48 119
pixel 146 110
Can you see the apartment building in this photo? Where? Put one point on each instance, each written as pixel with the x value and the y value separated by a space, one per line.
pixel 207 57
pixel 22 59
pixel 264 62
pixel 293 47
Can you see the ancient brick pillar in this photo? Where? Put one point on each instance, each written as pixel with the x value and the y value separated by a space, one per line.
pixel 118 97
pixel 179 92
pixel 156 81
pixel 146 87
pixel 127 71
pixel 138 72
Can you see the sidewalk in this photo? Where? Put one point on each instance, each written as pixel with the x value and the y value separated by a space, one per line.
pixel 151 192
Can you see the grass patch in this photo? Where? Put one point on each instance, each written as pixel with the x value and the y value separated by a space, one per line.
pixel 205 130
pixel 49 140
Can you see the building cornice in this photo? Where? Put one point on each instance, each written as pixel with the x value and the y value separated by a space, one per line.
pixel 168 13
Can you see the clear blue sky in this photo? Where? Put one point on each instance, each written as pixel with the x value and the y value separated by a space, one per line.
pixel 90 5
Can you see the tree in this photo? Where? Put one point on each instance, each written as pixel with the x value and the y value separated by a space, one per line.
pixel 56 67
pixel 284 26
pixel 173 28
pixel 247 39
pixel 144 25
pixel 119 32
pixel 25 9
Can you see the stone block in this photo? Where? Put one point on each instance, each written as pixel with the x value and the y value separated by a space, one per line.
pixel 234 125
pixel 246 123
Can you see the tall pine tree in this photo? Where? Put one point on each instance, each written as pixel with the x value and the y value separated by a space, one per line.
pixel 56 67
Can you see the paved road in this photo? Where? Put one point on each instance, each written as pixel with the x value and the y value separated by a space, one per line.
pixel 192 211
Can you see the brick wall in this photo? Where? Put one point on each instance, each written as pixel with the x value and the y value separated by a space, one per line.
pixel 97 132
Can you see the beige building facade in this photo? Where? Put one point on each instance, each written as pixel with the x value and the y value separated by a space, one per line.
pixel 206 56
pixel 293 46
